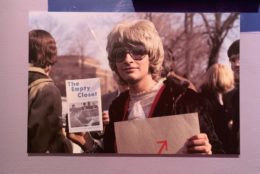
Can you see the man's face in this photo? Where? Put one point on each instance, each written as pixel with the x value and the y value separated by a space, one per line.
pixel 235 65
pixel 132 65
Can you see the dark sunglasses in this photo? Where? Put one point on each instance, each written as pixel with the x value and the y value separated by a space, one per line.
pixel 137 53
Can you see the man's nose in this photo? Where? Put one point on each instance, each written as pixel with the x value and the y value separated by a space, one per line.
pixel 128 58
pixel 237 63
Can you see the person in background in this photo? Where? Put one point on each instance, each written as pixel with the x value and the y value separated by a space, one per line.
pixel 231 99
pixel 234 58
pixel 135 54
pixel 44 99
pixel 219 80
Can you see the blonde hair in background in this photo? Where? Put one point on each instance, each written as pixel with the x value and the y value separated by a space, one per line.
pixel 219 78
pixel 137 32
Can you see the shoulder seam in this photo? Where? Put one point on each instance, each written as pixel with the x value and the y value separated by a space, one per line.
pixel 36 82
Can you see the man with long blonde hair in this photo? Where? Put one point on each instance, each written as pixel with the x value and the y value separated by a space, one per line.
pixel 135 54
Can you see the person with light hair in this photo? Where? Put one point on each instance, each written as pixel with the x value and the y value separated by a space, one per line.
pixel 219 80
pixel 135 54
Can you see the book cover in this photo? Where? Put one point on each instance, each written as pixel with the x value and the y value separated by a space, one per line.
pixel 84 105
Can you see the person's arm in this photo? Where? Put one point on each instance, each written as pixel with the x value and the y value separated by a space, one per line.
pixel 86 142
pixel 207 127
pixel 84 139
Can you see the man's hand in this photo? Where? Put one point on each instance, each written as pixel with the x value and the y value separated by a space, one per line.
pixel 105 118
pixel 199 144
pixel 77 138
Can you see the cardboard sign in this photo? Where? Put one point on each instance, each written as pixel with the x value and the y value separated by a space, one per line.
pixel 159 135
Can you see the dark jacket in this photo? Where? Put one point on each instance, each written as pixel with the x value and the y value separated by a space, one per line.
pixel 44 115
pixel 231 102
pixel 176 98
pixel 220 118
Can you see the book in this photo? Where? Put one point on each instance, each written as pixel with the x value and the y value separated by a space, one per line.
pixel 84 105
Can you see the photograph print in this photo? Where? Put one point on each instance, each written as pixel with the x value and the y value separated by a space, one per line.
pixel 82 114
pixel 151 67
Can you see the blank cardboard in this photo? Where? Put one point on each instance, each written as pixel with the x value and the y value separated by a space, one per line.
pixel 159 135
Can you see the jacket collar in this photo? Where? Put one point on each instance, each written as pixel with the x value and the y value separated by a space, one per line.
pixel 176 86
pixel 37 69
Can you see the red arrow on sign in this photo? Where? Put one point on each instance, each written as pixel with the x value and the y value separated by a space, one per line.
pixel 164 145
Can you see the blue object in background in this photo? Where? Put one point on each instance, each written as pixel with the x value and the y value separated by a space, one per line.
pixel 91 5
pixel 250 22
pixel 154 5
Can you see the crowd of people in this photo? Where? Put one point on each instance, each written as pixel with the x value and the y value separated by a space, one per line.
pixel 135 55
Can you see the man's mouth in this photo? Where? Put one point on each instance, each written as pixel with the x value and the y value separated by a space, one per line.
pixel 129 69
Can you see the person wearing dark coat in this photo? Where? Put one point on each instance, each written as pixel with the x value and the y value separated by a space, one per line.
pixel 44 100
pixel 231 99
pixel 135 54
pixel 219 81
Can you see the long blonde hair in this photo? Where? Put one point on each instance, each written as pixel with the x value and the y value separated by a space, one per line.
pixel 219 78
pixel 137 32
